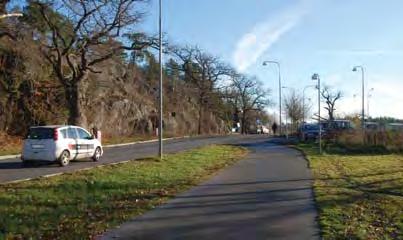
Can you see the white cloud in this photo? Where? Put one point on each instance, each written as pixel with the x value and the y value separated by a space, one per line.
pixel 253 44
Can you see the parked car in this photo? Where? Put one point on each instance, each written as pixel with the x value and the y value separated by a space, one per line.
pixel 265 130
pixel 398 127
pixel 61 144
pixel 309 132
pixel 338 124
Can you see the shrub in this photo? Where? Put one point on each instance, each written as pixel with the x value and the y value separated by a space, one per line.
pixel 391 141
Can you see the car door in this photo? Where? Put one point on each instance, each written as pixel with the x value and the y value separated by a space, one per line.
pixel 72 142
pixel 86 143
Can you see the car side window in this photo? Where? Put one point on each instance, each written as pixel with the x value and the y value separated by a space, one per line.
pixel 64 133
pixel 71 132
pixel 83 134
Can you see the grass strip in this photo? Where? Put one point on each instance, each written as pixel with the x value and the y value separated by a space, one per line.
pixel 359 196
pixel 82 205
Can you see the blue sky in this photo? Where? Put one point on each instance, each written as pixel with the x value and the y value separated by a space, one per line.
pixel 324 36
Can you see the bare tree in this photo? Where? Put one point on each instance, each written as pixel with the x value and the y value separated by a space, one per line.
pixel 331 96
pixel 250 96
pixel 202 72
pixel 82 34
pixel 294 107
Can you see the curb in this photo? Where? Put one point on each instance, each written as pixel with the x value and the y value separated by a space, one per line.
pixel 9 156
pixel 146 141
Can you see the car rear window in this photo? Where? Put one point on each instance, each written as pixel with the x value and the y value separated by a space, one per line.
pixel 40 133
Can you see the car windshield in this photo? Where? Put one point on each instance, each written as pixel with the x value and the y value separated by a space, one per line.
pixel 40 133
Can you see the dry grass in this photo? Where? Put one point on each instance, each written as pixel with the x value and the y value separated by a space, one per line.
pixel 9 144
pixel 389 141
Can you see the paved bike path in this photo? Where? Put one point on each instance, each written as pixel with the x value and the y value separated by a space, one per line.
pixel 268 195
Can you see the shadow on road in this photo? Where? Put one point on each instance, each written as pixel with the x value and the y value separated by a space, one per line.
pixel 18 165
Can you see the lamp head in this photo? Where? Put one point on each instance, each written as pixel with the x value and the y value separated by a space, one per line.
pixel 315 76
pixel 355 69
pixel 264 63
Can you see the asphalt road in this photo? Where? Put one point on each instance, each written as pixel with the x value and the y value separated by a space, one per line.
pixel 12 169
pixel 266 196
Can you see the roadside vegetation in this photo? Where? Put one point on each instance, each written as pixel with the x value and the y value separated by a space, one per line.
pixel 359 195
pixel 83 204
pixel 9 144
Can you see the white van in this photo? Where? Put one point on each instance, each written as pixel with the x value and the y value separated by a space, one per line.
pixel 61 144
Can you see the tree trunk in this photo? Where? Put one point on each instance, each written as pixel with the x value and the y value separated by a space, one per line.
pixel 243 125
pixel 9 112
pixel 76 114
pixel 3 6
pixel 200 118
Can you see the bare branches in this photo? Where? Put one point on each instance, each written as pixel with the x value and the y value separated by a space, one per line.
pixel 81 34
pixel 94 23
pixel 330 96
pixel 294 107
pixel 248 95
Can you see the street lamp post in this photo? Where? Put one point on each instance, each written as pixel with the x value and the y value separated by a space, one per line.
pixel 316 77
pixel 286 116
pixel 368 97
pixel 160 148
pixel 265 63
pixel 355 69
pixel 303 101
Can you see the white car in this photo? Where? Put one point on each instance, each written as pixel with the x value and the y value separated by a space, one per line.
pixel 61 144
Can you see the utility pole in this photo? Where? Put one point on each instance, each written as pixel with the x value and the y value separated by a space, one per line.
pixel 303 101
pixel 265 63
pixel 160 132
pixel 316 77
pixel 355 69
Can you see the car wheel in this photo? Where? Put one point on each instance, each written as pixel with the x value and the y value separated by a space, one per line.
pixel 97 154
pixel 26 163
pixel 64 159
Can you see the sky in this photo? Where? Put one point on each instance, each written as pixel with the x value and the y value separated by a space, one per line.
pixel 328 37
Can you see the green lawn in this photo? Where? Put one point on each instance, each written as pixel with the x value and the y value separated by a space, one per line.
pixel 84 204
pixel 359 196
